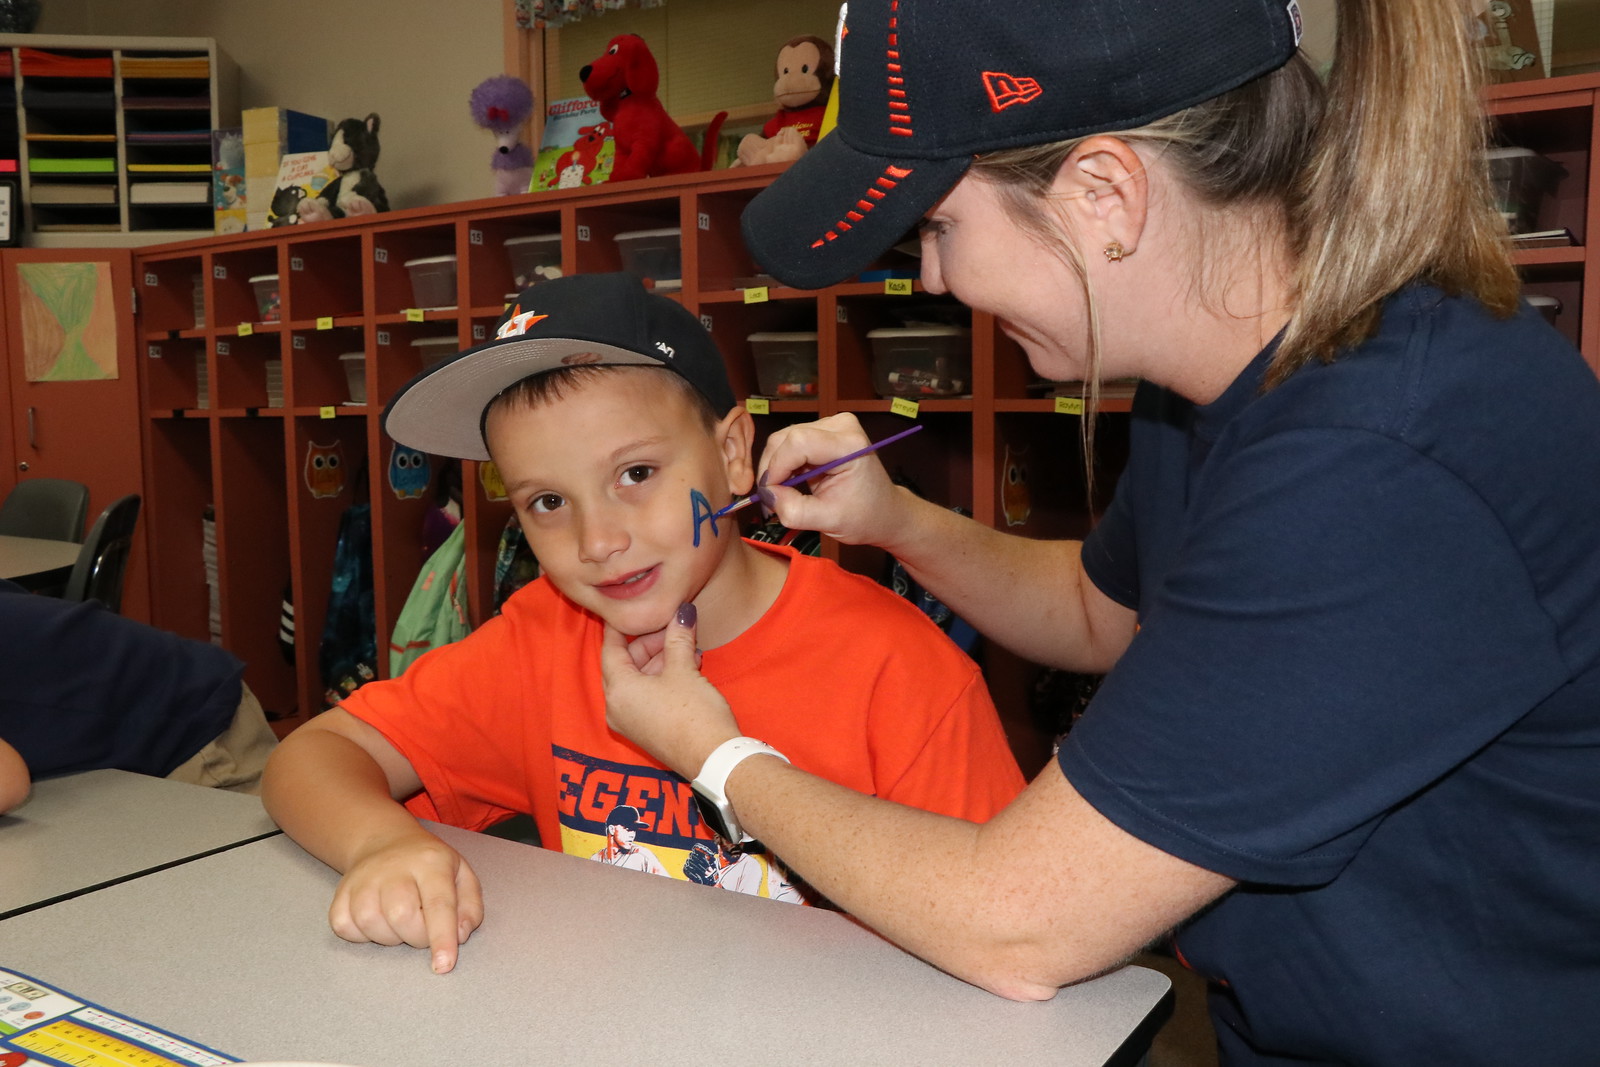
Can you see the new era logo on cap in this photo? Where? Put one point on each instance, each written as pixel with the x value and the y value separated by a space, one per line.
pixel 1006 89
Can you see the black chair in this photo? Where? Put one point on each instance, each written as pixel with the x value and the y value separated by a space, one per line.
pixel 103 559
pixel 54 509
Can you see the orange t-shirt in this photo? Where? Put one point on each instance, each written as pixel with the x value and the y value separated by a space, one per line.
pixel 849 681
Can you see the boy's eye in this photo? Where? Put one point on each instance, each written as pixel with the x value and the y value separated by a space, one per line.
pixel 545 503
pixel 636 474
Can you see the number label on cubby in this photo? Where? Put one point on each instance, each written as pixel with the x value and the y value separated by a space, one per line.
pixel 299 342
pixel 474 237
pixel 151 280
pixel 222 348
pixel 705 320
pixel 381 255
pixel 704 220
pixel 219 272
pixel 383 338
pixel 583 233
pixel 480 332
pixel 154 351
pixel 840 314
pixel 297 263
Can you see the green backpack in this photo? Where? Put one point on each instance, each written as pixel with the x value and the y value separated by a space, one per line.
pixel 435 613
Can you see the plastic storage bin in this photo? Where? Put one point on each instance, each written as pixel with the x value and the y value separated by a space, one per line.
pixel 433 281
pixel 274 383
pixel 355 375
pixel 786 363
pixel 921 361
pixel 1548 306
pixel 1521 178
pixel 655 255
pixel 534 259
pixel 266 287
pixel 435 350
pixel 199 302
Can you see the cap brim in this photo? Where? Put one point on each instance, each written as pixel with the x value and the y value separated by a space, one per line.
pixel 440 411
pixel 837 209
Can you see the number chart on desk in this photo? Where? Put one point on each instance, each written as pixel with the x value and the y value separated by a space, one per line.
pixel 40 1026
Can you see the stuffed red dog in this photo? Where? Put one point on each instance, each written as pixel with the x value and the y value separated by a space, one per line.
pixel 648 142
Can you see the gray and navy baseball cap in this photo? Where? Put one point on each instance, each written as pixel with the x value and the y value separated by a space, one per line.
pixel 924 85
pixel 593 319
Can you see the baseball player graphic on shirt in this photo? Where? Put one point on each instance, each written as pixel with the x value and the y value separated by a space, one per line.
pixel 622 830
pixel 731 867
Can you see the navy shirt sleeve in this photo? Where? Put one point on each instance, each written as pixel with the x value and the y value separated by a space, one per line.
pixel 1333 639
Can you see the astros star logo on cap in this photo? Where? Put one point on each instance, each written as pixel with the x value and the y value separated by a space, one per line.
pixel 518 323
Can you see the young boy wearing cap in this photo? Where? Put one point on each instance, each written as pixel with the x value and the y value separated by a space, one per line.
pixel 609 414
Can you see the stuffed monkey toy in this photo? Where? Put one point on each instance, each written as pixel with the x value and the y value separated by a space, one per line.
pixel 805 74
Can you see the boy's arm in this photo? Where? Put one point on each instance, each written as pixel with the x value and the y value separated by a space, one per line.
pixel 14 778
pixel 335 786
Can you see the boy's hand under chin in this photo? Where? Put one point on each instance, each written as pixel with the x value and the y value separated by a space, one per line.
pixel 657 698
pixel 417 891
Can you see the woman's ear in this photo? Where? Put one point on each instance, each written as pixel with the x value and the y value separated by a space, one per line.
pixel 1102 184
pixel 735 436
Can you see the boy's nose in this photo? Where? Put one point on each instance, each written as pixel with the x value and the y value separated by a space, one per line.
pixel 601 535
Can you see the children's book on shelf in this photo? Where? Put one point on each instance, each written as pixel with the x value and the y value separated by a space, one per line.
pixel 577 148
pixel 301 175
pixel 228 200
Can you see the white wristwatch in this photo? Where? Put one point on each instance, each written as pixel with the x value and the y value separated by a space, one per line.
pixel 708 786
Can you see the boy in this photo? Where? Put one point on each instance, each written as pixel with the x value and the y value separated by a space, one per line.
pixel 608 412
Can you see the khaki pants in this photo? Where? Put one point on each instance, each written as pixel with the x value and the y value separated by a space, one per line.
pixel 235 760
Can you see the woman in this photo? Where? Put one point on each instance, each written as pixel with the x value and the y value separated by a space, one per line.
pixel 1348 592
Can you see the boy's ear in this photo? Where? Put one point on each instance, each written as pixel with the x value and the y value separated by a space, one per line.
pixel 735 435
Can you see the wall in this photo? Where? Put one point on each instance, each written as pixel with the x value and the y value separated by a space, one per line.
pixel 412 61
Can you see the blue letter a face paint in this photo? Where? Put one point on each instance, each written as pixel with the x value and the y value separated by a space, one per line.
pixel 703 512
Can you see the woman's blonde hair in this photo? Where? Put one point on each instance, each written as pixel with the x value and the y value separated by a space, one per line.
pixel 1391 189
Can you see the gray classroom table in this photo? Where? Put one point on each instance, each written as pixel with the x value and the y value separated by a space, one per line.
pixel 33 562
pixel 576 963
pixel 81 831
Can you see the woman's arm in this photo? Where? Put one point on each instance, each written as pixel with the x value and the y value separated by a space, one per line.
pixel 14 778
pixel 1048 892
pixel 1030 596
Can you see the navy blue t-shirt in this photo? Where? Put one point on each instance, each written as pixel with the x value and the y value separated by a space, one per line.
pixel 82 688
pixel 1366 685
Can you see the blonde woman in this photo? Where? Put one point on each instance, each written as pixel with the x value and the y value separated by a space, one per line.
pixel 1347 596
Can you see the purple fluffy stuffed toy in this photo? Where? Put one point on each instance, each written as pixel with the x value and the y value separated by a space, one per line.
pixel 502 105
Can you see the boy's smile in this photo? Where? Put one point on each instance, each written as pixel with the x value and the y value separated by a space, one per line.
pixel 603 478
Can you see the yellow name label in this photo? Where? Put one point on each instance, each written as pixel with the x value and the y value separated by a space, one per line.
pixel 414 315
pixel 897 286
pixel 245 329
pixel 1069 405
pixel 329 412
pixel 756 294
pixel 901 406
pixel 758 405
pixel 325 322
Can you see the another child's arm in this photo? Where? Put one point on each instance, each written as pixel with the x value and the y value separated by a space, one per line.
pixel 14 778
pixel 335 786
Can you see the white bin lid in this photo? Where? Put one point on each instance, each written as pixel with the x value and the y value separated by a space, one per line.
pixel 538 238
pixel 430 259
pixel 801 335
pixel 918 331
pixel 354 355
pixel 1509 152
pixel 451 341
pixel 670 231
pixel 1539 301
pixel 264 278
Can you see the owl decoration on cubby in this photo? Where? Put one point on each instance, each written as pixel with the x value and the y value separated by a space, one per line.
pixel 325 469
pixel 1015 501
pixel 409 473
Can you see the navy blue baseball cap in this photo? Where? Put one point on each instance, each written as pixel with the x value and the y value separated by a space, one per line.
pixel 595 319
pixel 924 85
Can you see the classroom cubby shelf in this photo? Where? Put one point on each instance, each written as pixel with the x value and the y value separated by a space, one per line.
pixel 344 289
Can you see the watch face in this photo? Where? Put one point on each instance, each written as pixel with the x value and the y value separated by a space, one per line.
pixel 714 817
